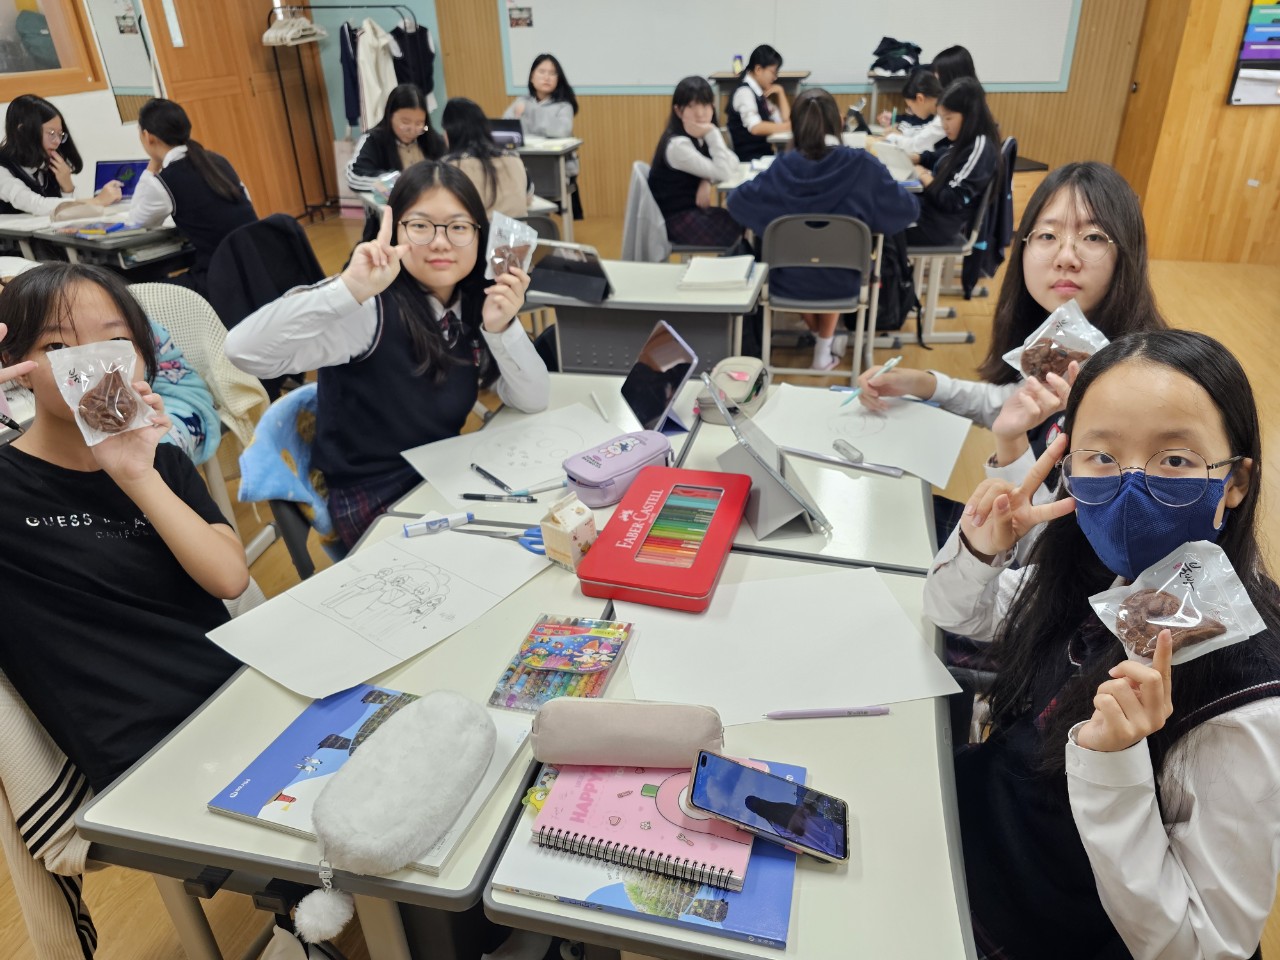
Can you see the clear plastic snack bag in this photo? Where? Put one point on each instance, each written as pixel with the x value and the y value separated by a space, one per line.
pixel 1194 593
pixel 511 244
pixel 1064 336
pixel 96 380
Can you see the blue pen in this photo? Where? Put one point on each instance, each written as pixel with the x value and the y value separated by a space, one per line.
pixel 854 394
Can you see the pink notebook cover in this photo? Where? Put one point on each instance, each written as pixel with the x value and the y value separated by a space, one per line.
pixel 634 815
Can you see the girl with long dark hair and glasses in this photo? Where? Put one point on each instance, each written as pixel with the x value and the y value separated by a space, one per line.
pixel 38 158
pixel 403 340
pixel 548 111
pixel 1118 809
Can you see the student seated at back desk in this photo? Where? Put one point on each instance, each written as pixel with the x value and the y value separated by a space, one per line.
pixel 924 131
pixel 955 177
pixel 198 188
pixel 548 111
pixel 821 176
pixel 38 158
pixel 499 175
pixel 691 155
pixel 952 64
pixel 758 106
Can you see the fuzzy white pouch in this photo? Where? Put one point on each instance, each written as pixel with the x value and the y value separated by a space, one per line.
pixel 393 800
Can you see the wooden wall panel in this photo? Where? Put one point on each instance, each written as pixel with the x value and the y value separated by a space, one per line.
pixel 1158 48
pixel 1082 123
pixel 1212 193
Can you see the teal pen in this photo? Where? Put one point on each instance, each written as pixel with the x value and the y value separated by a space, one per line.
pixel 541 488
pixel 854 394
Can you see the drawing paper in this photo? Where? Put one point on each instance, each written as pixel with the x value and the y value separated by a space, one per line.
pixel 920 438
pixel 521 454
pixel 376 609
pixel 793 655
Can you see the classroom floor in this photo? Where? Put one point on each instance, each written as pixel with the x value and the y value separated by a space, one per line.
pixel 1232 302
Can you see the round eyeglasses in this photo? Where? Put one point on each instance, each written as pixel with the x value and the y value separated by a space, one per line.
pixel 1176 477
pixel 461 233
pixel 1090 246
pixel 56 136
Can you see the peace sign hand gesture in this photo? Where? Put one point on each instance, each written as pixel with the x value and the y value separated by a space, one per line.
pixel 999 514
pixel 375 263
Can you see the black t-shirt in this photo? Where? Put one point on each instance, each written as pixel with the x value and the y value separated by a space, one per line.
pixel 103 631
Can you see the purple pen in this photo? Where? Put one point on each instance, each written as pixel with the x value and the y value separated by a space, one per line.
pixel 819 712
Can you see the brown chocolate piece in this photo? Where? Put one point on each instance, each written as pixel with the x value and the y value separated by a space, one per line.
pixel 1145 613
pixel 505 257
pixel 109 407
pixel 1046 356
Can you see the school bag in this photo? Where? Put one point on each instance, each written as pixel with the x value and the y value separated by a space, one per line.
pixel 897 285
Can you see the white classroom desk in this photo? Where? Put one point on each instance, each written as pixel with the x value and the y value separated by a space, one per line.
pixel 878 521
pixel 157 808
pixel 606 337
pixel 555 153
pixel 566 388
pixel 22 406
pixel 902 894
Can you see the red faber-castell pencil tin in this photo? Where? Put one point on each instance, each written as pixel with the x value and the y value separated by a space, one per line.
pixel 667 541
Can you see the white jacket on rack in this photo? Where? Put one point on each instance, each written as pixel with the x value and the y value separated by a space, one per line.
pixel 376 69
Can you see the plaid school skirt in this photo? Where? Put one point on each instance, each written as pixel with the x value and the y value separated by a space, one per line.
pixel 354 508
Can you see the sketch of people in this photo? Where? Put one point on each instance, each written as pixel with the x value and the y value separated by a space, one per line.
pixel 356 595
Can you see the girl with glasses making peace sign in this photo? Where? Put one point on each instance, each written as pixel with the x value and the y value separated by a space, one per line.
pixel 403 341
pixel 1108 813
pixel 38 158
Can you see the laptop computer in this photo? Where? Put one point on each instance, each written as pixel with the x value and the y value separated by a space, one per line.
pixel 656 378
pixel 569 270
pixel 507 134
pixel 127 172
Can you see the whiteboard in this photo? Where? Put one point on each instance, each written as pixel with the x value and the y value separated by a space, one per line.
pixel 626 46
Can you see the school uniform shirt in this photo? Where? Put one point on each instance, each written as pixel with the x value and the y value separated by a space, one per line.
pixel 377 152
pixel 360 350
pixel 949 204
pixel 1196 881
pixel 508 193
pixel 748 106
pixel 104 631
pixel 552 119
pixel 33 190
pixel 845 181
pixel 919 137
pixel 676 178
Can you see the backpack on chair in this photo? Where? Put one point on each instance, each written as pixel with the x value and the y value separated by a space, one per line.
pixel 897 285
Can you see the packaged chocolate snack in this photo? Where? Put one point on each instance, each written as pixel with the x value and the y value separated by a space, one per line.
pixel 1064 336
pixel 96 380
pixel 1194 593
pixel 511 244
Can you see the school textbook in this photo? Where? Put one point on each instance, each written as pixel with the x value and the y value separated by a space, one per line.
pixel 717 273
pixel 279 788
pixel 759 913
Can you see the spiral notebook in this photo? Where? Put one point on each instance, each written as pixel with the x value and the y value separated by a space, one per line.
pixel 634 816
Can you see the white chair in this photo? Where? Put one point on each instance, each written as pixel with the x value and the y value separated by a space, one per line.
pixel 239 398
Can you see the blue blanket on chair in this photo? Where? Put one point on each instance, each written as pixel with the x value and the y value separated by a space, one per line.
pixel 277 465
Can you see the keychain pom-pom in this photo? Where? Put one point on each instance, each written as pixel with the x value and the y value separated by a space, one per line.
pixel 322 914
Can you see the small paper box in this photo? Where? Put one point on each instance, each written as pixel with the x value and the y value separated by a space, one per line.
pixel 568 531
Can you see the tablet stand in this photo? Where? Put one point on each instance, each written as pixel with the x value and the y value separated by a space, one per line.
pixel 772 510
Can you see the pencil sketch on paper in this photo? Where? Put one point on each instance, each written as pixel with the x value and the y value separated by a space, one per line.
pixel 858 424
pixel 397 595
pixel 534 448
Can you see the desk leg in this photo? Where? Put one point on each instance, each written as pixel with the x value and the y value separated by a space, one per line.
pixel 737 335
pixel 566 201
pixel 24 244
pixel 383 928
pixel 188 919
pixel 73 255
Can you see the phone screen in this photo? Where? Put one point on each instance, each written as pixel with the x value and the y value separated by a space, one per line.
pixel 771 804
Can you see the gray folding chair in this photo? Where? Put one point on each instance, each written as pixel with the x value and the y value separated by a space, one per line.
pixel 642 207
pixel 828 241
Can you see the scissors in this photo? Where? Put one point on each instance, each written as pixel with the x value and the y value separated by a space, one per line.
pixel 530 538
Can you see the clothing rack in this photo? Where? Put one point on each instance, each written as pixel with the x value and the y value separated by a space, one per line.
pixel 311 209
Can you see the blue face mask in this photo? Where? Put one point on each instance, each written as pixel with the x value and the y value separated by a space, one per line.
pixel 1133 529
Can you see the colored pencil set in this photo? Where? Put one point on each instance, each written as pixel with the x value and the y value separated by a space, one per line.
pixel 681 526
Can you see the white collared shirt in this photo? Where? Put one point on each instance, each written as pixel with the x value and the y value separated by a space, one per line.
pixel 151 199
pixel 744 101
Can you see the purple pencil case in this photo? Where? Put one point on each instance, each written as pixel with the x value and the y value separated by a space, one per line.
pixel 601 475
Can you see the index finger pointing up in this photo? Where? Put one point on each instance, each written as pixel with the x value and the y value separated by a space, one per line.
pixel 385 229
pixel 1040 469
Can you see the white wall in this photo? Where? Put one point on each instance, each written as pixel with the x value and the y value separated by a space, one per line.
pixel 95 123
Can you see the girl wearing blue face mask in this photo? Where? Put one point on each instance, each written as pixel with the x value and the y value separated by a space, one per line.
pixel 1108 813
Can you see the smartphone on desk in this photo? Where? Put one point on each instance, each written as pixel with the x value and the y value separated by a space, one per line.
pixel 771 807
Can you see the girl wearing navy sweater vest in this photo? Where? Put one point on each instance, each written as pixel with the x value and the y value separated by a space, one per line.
pixel 957 172
pixel 758 106
pixel 1109 814
pixel 403 341
pixel 822 176
pixel 690 157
